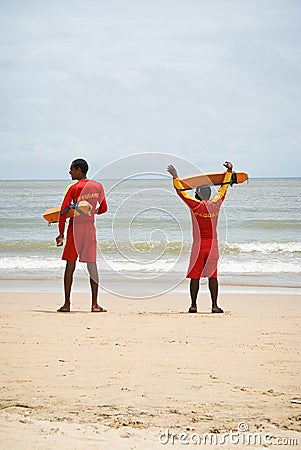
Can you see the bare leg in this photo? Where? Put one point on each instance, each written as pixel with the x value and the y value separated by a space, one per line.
pixel 92 269
pixel 68 280
pixel 213 287
pixel 194 289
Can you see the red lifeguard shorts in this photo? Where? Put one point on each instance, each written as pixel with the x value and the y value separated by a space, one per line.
pixel 203 260
pixel 81 241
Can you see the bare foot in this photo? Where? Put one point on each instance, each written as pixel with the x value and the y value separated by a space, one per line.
pixel 217 310
pixel 98 308
pixel 192 309
pixel 63 309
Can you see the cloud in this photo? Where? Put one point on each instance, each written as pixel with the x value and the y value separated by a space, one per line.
pixel 206 80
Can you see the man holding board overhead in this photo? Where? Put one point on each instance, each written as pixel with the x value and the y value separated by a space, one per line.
pixel 204 253
pixel 81 234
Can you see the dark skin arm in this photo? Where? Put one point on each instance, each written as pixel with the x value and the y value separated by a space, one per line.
pixel 59 240
pixel 76 174
pixel 173 171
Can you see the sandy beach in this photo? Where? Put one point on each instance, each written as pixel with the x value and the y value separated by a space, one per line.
pixel 121 379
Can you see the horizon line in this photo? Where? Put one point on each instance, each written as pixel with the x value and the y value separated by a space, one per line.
pixel 163 177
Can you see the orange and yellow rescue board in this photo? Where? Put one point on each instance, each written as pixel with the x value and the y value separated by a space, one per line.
pixel 213 178
pixel 52 215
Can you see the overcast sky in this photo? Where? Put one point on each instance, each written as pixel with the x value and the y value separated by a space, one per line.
pixel 205 80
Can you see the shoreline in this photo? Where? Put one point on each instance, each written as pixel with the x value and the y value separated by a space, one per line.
pixel 80 285
pixel 121 378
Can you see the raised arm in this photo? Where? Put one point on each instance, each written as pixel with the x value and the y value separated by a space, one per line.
pixel 191 202
pixel 221 193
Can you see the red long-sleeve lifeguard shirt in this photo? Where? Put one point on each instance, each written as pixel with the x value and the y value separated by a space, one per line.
pixel 88 190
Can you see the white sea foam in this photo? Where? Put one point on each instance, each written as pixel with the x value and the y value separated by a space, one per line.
pixel 25 263
pixel 269 267
pixel 263 247
pixel 159 266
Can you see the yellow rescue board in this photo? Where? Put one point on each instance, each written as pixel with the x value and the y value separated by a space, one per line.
pixel 213 178
pixel 52 215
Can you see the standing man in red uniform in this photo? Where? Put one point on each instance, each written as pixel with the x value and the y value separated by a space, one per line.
pixel 81 234
pixel 204 252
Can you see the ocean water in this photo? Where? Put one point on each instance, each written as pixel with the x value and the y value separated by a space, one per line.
pixel 144 240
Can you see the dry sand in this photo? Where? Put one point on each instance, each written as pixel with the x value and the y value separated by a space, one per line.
pixel 119 379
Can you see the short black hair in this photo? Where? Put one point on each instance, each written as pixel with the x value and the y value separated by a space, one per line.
pixel 203 192
pixel 80 163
